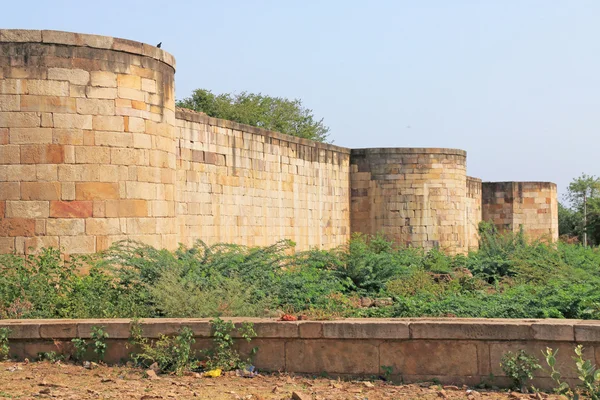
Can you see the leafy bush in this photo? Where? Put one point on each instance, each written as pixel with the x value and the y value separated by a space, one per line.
pixel 509 277
pixel 224 356
pixel 519 367
pixel 4 347
pixel 170 353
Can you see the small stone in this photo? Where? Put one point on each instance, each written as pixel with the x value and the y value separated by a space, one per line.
pixel 451 387
pixel 442 394
pixel 368 384
pixel 300 396
pixel 365 302
pixel 151 374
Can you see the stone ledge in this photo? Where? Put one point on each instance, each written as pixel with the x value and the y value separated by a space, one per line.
pixel 201 118
pixel 85 40
pixel 359 329
pixel 409 150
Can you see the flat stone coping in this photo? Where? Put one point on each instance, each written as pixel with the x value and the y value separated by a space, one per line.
pixel 85 40
pixel 193 116
pixel 580 331
pixel 409 150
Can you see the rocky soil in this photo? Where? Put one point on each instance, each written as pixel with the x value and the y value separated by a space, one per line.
pixel 69 381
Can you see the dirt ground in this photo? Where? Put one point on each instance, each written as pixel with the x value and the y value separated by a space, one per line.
pixel 69 381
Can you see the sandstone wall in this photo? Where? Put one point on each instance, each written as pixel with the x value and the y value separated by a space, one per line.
pixel 93 151
pixel 87 146
pixel 417 197
pixel 453 351
pixel 245 185
pixel 473 212
pixel 531 205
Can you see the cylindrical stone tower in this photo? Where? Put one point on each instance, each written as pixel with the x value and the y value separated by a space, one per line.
pixel 416 197
pixel 87 147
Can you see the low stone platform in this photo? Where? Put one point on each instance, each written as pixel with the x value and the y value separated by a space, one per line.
pixel 450 350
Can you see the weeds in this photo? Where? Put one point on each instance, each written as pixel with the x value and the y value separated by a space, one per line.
pixel 519 367
pixel 98 337
pixel 224 356
pixel 586 372
pixel 171 354
pixel 4 347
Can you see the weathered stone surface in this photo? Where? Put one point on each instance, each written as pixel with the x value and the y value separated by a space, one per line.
pixel 333 356
pixel 364 329
pixel 96 191
pixel 71 209
pixel 430 357
pixel 506 330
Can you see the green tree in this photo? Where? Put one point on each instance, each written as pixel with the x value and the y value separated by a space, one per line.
pixel 569 222
pixel 273 113
pixel 584 195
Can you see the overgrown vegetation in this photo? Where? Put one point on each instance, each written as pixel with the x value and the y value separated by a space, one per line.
pixel 268 112
pixel 519 367
pixel 508 277
pixel 4 347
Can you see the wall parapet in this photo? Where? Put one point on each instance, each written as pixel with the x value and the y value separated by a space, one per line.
pixel 86 40
pixel 201 118
pixel 459 351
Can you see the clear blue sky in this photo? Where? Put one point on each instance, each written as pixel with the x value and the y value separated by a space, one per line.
pixel 516 83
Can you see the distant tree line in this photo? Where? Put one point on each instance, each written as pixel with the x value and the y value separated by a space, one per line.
pixel 273 113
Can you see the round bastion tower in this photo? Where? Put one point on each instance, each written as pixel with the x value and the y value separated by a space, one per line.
pixel 414 196
pixel 87 145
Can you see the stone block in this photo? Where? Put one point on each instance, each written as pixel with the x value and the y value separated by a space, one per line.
pixel 10 190
pixel 103 226
pixel 65 226
pixel 11 227
pixel 48 104
pixel 58 329
pixel 270 355
pixel 29 330
pixel 430 357
pixel 9 102
pixel 47 88
pixel 104 79
pixel 92 155
pixel 42 153
pixel 365 330
pixel 126 208
pixel 96 191
pixel 27 209
pixel 108 123
pixel 67 136
pixel 505 330
pixel 78 244
pixel 138 226
pixel 129 81
pixel 40 191
pixel 140 140
pixel 116 328
pixel 131 94
pixel 101 92
pixel 9 154
pixel 332 356
pixel 19 120
pixel 588 331
pixel 554 331
pixel 4 136
pixel 71 209
pixel 310 330
pixel 95 106
pixel 35 244
pixel 72 121
pixel 113 139
pixel 149 85
pixel 20 35
pixel 74 76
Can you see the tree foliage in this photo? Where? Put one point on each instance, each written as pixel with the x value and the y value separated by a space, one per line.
pixel 273 113
pixel 582 218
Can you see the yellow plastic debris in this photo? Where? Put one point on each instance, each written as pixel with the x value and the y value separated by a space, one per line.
pixel 213 373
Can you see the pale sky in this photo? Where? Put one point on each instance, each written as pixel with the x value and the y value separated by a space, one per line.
pixel 516 83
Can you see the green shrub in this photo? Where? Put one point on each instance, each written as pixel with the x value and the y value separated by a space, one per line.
pixel 4 347
pixel 224 356
pixel 519 367
pixel 170 353
pixel 586 372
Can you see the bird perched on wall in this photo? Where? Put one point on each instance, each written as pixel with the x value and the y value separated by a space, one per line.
pixel 158 45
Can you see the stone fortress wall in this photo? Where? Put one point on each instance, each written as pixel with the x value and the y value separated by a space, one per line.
pixel 93 150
